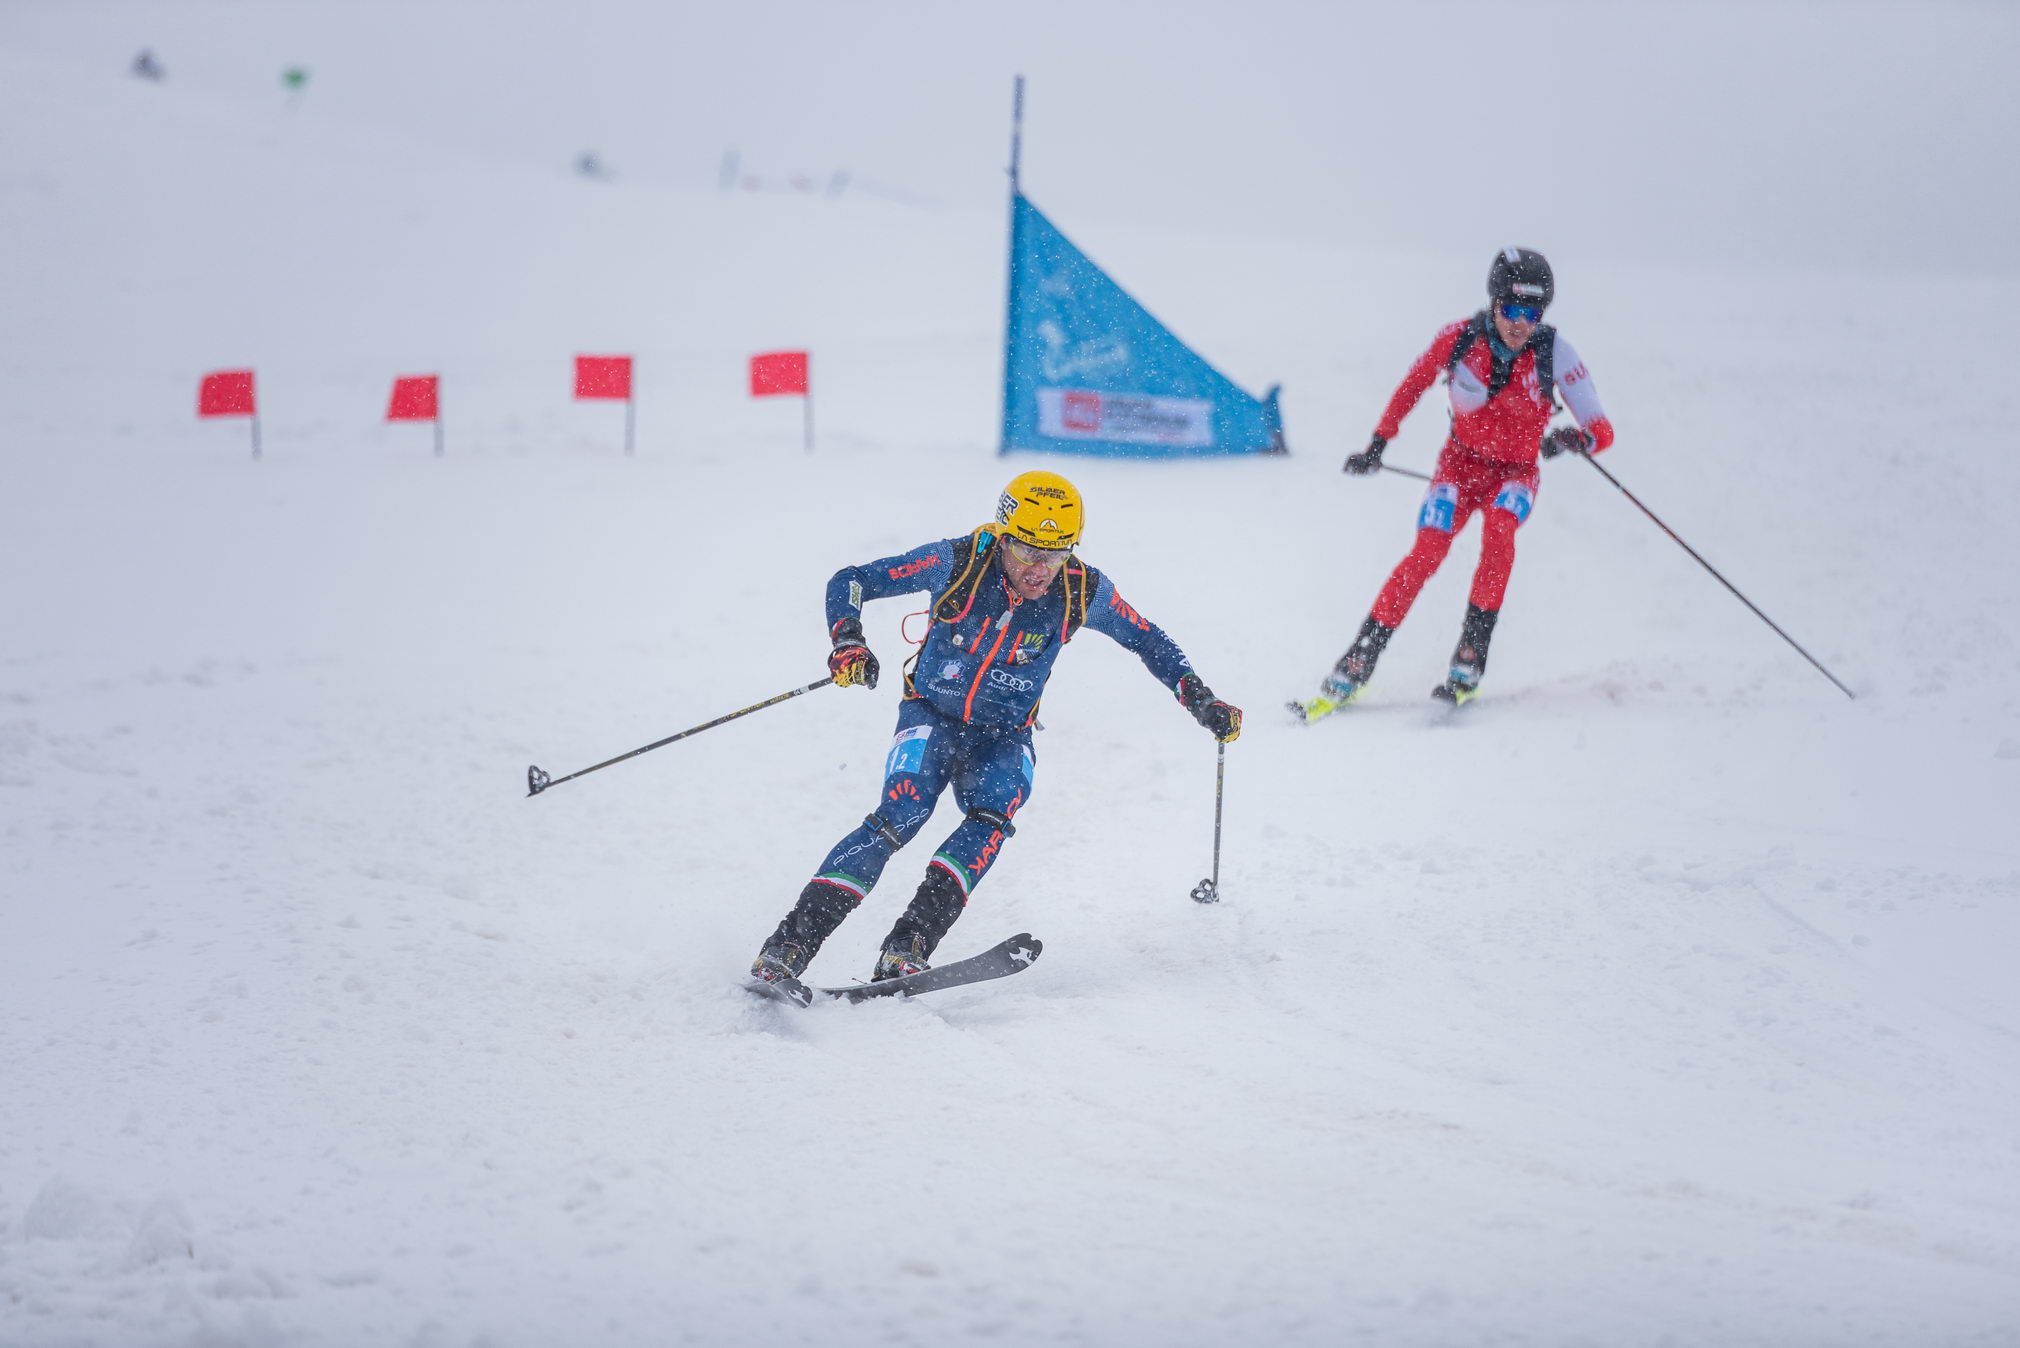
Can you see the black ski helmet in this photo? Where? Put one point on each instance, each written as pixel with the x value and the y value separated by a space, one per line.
pixel 1520 276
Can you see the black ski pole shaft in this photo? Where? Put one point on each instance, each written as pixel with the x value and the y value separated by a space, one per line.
pixel 1406 472
pixel 538 781
pixel 1715 575
pixel 1208 891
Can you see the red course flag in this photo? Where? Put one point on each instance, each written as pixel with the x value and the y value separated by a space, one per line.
pixel 778 372
pixel 603 377
pixel 414 398
pixel 226 393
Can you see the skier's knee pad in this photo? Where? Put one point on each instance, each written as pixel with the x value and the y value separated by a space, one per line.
pixel 995 819
pixel 896 833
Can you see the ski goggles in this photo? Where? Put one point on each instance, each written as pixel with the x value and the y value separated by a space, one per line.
pixel 1024 554
pixel 1522 313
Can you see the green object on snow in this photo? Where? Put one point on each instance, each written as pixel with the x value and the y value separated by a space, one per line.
pixel 295 77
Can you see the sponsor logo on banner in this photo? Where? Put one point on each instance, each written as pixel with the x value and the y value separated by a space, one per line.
pixel 1128 418
pixel 1080 412
pixel 1063 358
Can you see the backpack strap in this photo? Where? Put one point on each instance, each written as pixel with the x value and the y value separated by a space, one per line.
pixel 1542 343
pixel 971 564
pixel 1475 329
pixel 1080 580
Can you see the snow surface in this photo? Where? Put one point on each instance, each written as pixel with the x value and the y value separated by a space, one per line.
pixel 1664 998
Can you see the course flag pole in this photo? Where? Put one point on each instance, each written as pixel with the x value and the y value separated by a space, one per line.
pixel 1017 137
pixel 1715 575
pixel 785 372
pixel 229 393
pixel 607 379
pixel 809 409
pixel 417 397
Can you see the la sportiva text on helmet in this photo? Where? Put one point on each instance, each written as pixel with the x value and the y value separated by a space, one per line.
pixel 1520 276
pixel 1042 509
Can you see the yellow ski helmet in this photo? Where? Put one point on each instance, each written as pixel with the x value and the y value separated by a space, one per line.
pixel 1042 509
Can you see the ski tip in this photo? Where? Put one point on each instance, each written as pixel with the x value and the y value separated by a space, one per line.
pixel 1025 948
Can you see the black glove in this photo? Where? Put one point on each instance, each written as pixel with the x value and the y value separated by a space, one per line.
pixel 850 661
pixel 1368 460
pixel 1566 439
pixel 1222 718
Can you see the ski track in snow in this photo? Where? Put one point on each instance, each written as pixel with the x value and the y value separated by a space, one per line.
pixel 1660 997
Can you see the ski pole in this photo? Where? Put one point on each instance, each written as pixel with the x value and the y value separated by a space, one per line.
pixel 1714 571
pixel 538 781
pixel 1406 472
pixel 1208 891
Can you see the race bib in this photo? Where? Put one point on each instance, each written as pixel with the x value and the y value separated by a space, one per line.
pixel 1516 499
pixel 1441 503
pixel 908 750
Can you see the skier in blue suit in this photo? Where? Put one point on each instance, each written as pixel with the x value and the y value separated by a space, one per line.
pixel 1007 599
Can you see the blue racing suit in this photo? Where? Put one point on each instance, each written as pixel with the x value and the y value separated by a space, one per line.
pixel 970 703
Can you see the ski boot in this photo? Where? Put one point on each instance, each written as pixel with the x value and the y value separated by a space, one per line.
pixel 1461 685
pixel 921 927
pixel 787 952
pixel 1334 693
pixel 777 969
pixel 1469 660
pixel 1349 676
pixel 899 959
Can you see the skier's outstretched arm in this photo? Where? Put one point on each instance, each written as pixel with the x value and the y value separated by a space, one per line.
pixel 1420 376
pixel 928 567
pixel 1423 372
pixel 1115 619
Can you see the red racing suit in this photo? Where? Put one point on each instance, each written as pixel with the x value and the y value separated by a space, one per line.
pixel 1489 463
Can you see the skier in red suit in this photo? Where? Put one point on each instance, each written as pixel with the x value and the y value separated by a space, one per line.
pixel 1504 367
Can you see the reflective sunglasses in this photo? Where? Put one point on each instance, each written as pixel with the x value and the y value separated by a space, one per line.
pixel 1521 313
pixel 1024 554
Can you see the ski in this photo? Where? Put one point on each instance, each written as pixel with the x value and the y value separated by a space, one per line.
pixel 1320 707
pixel 784 990
pixel 1013 956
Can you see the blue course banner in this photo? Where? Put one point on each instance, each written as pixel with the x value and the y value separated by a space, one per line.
pixel 1087 370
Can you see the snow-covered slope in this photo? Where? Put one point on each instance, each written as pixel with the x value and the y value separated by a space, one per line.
pixel 1662 998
